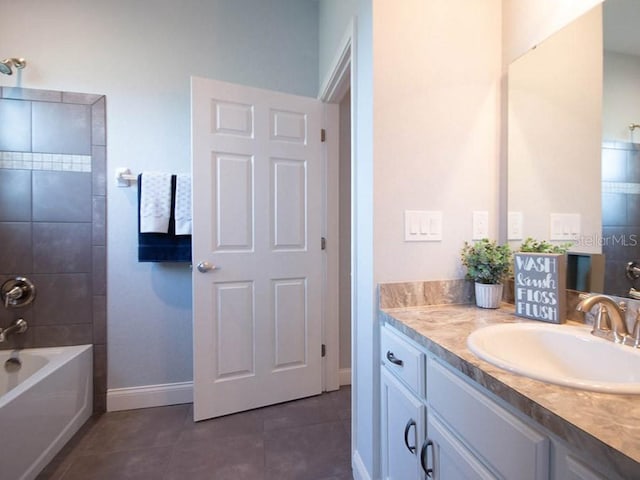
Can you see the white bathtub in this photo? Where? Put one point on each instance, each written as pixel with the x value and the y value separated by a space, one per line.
pixel 42 405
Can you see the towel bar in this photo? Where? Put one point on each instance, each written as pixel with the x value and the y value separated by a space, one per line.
pixel 124 177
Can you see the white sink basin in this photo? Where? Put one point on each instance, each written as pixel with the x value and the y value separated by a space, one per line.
pixel 561 354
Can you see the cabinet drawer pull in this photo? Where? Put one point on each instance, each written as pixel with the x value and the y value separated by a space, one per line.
pixel 410 423
pixel 392 358
pixel 424 460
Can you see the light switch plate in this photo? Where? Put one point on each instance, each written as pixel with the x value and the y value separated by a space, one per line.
pixel 435 226
pixel 480 225
pixel 515 226
pixel 422 226
pixel 564 226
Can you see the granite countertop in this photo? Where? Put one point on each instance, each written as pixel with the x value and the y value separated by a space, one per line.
pixel 600 425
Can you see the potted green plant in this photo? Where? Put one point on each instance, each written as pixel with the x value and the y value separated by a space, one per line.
pixel 531 245
pixel 487 264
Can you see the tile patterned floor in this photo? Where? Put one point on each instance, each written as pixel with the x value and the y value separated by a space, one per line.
pixel 307 439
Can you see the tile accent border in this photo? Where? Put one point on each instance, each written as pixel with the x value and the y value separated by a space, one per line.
pixel 45 161
pixel 621 187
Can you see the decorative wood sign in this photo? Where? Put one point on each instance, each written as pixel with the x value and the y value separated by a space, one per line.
pixel 539 286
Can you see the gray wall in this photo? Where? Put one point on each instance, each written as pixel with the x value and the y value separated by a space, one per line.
pixel 52 219
pixel 141 55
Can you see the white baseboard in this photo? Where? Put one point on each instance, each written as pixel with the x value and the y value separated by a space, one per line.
pixel 167 394
pixel 359 470
pixel 149 396
pixel 344 376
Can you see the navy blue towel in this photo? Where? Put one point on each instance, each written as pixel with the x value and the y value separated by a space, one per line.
pixel 163 247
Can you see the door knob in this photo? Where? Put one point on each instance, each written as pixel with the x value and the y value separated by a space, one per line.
pixel 204 267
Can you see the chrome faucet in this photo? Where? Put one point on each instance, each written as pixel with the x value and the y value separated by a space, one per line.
pixel 12 296
pixel 19 326
pixel 610 321
pixel 17 292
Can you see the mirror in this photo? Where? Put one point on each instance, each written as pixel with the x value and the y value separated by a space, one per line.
pixel 573 166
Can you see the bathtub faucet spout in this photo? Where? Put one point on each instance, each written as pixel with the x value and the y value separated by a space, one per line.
pixel 18 326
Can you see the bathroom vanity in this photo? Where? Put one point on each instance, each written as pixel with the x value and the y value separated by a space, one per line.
pixel 446 414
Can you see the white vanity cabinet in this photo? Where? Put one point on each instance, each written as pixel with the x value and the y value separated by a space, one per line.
pixel 440 424
pixel 437 426
pixel 468 427
pixel 568 466
pixel 403 430
pixel 403 408
pixel 450 458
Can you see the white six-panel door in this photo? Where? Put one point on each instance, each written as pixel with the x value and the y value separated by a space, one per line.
pixel 257 217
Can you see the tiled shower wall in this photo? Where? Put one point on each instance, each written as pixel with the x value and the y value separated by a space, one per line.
pixel 53 218
pixel 620 213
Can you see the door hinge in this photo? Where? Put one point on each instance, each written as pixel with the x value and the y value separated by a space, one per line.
pixel 323 243
pixel 323 350
pixel 323 134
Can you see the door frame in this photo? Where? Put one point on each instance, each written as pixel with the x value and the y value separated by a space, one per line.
pixel 340 77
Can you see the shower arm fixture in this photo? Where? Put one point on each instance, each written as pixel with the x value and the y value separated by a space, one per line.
pixel 7 64
pixel 633 126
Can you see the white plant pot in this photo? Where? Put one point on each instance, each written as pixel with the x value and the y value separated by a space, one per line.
pixel 488 296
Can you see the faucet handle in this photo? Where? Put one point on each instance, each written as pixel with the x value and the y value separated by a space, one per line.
pixel 635 334
pixel 17 292
pixel 602 322
pixel 12 296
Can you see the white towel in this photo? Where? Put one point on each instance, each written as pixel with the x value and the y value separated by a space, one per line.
pixel 155 202
pixel 183 204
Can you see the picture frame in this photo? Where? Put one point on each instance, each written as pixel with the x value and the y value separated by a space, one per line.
pixel 540 286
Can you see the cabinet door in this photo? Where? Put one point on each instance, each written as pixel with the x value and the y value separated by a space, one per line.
pixel 578 471
pixel 570 465
pixel 404 360
pixel 514 449
pixel 451 460
pixel 403 430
